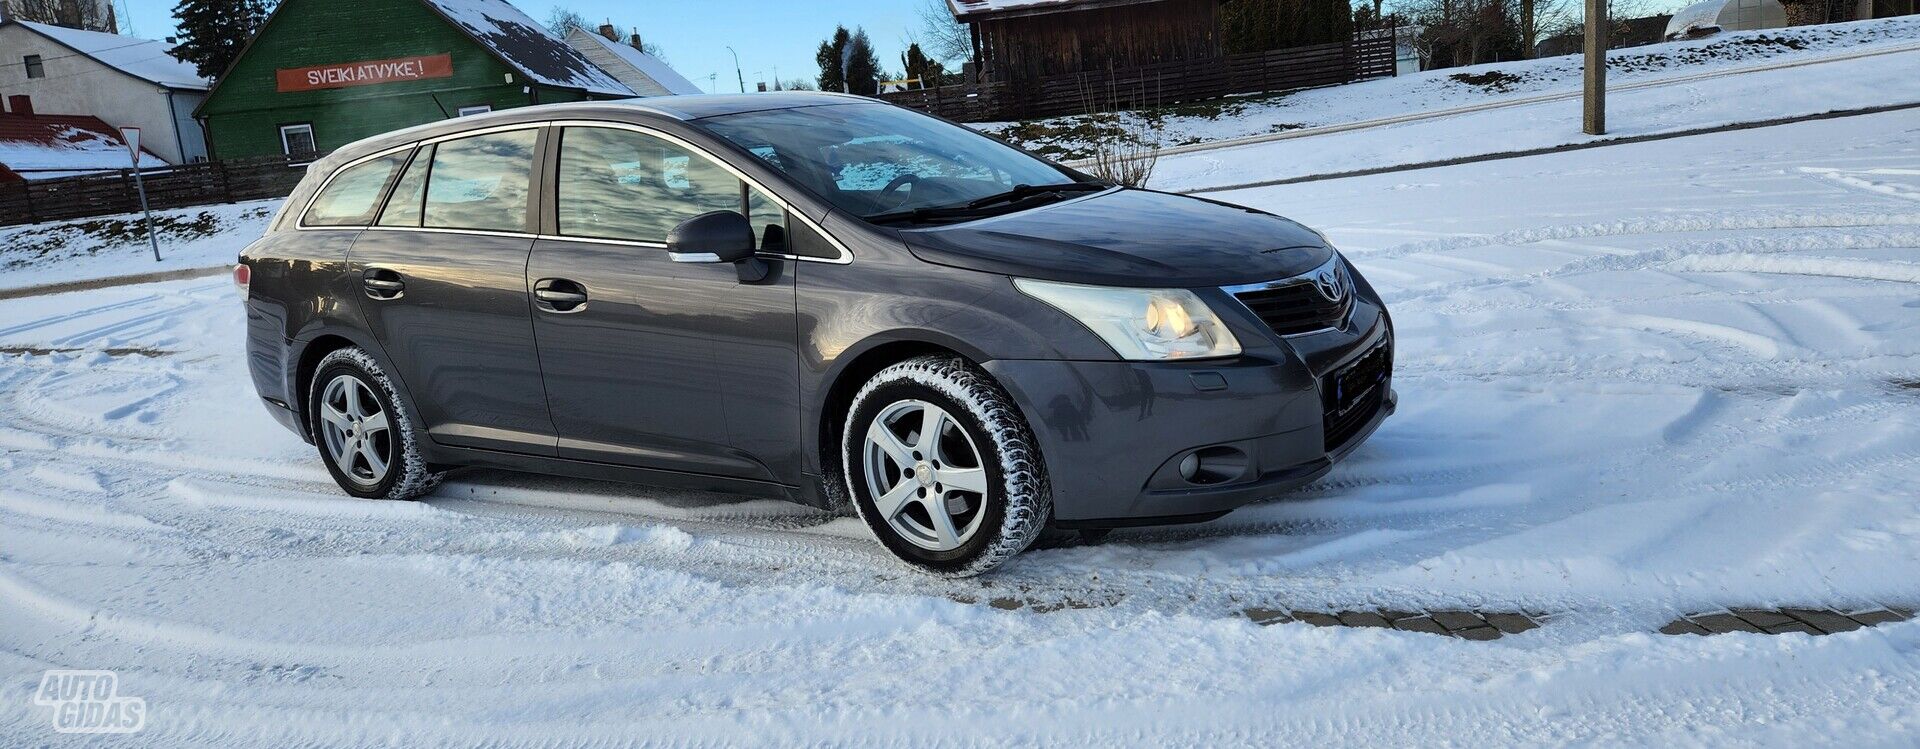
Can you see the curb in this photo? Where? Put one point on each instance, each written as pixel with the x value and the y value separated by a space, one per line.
pixel 103 283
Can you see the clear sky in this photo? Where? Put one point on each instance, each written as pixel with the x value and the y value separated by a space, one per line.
pixel 769 35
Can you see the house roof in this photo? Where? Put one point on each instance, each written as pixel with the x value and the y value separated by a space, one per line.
pixel 145 59
pixel 526 46
pixel 965 10
pixel 652 69
pixel 44 146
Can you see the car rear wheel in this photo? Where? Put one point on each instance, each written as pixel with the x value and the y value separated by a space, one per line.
pixel 942 468
pixel 366 437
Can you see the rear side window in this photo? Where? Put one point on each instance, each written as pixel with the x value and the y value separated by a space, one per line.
pixel 354 193
pixel 481 182
pixel 619 184
pixel 403 207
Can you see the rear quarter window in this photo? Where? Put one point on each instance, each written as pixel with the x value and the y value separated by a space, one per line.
pixel 353 195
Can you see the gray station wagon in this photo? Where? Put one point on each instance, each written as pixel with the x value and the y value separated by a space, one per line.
pixel 815 297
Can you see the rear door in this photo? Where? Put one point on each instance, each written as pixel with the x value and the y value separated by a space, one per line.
pixel 663 365
pixel 443 276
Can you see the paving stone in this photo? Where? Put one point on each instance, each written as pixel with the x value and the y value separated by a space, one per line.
pixel 1683 627
pixel 1879 616
pixel 1457 619
pixel 1419 624
pixel 1793 626
pixel 1512 623
pixel 1264 617
pixel 1006 604
pixel 1762 618
pixel 1363 619
pixel 1478 633
pixel 1827 622
pixel 1393 616
pixel 1723 623
pixel 1316 618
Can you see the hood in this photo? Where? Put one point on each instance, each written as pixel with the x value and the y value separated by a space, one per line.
pixel 1128 237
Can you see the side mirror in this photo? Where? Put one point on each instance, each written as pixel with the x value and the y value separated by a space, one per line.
pixel 712 237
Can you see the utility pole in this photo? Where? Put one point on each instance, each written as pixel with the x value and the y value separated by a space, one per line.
pixel 1594 119
pixel 736 70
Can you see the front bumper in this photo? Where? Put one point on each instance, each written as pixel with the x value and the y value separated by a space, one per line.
pixel 1114 433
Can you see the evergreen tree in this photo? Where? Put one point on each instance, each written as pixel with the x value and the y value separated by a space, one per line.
pixel 862 71
pixel 918 65
pixel 212 32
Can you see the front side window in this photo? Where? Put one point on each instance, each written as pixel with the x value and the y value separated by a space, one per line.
pixel 870 159
pixel 619 184
pixel 352 196
pixel 481 182
pixel 297 141
pixel 36 68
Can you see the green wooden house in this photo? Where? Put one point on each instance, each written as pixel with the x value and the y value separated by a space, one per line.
pixel 324 73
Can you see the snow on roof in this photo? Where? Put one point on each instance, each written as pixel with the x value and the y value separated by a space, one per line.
pixel 656 70
pixel 48 146
pixel 967 8
pixel 525 45
pixel 145 59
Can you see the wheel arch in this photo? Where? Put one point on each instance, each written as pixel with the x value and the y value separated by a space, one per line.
pixel 853 370
pixel 315 346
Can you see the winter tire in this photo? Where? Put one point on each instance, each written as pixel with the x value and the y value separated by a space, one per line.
pixel 942 468
pixel 365 435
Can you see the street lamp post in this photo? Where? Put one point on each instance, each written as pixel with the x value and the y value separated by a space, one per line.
pixel 736 70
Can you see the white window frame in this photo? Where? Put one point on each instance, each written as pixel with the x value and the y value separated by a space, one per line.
pixel 287 148
pixel 473 110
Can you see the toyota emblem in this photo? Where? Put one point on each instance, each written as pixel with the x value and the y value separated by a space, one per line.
pixel 1329 284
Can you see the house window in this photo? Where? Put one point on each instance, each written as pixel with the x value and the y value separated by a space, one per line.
pixel 475 109
pixel 297 140
pixel 35 68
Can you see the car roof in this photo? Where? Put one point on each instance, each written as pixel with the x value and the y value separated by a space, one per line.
pixel 682 108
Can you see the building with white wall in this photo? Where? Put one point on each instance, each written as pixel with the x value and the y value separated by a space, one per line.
pixel 123 81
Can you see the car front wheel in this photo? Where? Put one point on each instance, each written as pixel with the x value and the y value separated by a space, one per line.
pixel 942 467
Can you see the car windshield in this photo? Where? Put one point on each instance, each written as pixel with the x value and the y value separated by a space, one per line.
pixel 876 161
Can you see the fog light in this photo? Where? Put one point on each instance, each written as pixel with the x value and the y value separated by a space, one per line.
pixel 1213 465
pixel 1189 466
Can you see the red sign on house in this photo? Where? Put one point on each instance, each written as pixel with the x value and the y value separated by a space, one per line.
pixel 370 72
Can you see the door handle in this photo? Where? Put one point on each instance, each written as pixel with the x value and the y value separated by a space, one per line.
pixel 382 284
pixel 559 295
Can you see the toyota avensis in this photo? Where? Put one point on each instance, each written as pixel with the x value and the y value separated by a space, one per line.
pixel 814 297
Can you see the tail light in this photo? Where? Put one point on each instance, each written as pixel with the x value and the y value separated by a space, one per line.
pixel 242 278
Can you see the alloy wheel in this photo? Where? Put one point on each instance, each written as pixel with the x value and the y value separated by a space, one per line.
pixel 925 475
pixel 357 432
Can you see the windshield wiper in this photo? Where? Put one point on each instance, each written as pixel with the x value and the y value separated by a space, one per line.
pixel 980 207
pixel 1026 191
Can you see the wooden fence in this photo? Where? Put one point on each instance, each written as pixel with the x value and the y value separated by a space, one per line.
pixel 113 192
pixel 1369 56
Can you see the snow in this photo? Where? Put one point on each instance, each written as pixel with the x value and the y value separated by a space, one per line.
pixel 969 8
pixel 1636 382
pixel 652 67
pixel 1437 90
pixel 528 46
pixel 111 246
pixel 141 58
pixel 63 150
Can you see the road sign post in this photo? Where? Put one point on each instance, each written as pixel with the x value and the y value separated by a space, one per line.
pixel 132 136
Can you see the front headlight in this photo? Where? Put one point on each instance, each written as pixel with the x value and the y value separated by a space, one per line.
pixel 1141 324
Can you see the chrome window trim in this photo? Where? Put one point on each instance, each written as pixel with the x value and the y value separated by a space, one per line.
pixel 1307 277
pixel 845 256
pixel 324 184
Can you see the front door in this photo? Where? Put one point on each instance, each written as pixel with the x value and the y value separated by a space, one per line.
pixel 444 276
pixel 649 362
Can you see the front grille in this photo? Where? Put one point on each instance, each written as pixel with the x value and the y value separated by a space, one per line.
pixel 1295 308
pixel 1353 394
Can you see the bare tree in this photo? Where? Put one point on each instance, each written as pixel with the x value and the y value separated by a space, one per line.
pixel 563 20
pixel 946 39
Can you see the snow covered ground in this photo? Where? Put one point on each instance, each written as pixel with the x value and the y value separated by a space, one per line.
pixel 111 246
pixel 1875 80
pixel 1636 382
